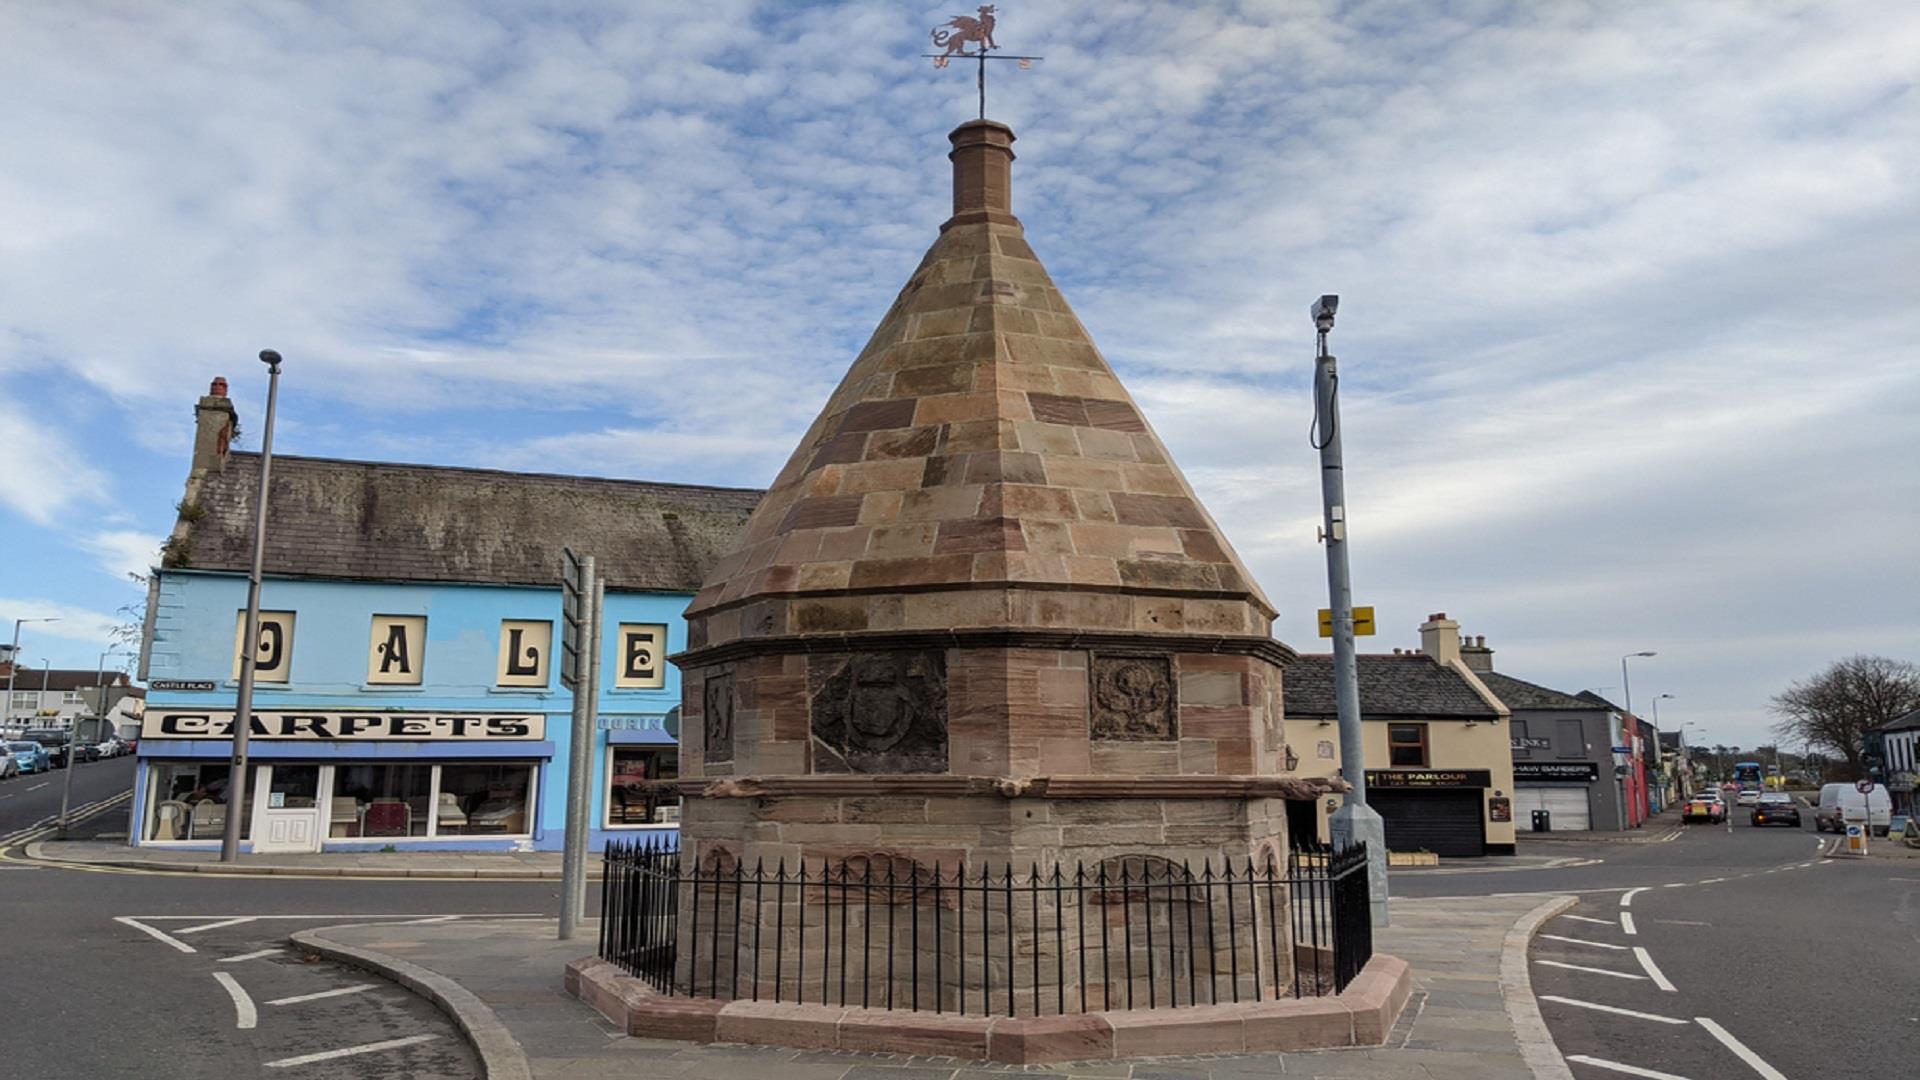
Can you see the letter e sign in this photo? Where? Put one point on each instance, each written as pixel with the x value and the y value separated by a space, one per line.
pixel 396 650
pixel 524 648
pixel 643 648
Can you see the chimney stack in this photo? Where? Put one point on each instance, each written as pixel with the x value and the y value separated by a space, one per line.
pixel 1440 638
pixel 214 424
pixel 1476 654
pixel 982 159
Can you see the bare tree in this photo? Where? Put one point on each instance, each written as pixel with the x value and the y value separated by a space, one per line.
pixel 1835 709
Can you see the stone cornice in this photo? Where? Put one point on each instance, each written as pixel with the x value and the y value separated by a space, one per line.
pixel 1264 648
pixel 850 785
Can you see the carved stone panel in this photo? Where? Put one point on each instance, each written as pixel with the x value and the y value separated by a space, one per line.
pixel 880 712
pixel 716 712
pixel 1133 699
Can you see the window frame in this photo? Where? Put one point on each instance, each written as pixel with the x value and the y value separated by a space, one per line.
pixel 1424 745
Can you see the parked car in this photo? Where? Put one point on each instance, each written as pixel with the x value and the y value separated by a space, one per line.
pixel 1841 801
pixel 1747 797
pixel 28 757
pixel 1776 808
pixel 56 741
pixel 9 767
pixel 110 748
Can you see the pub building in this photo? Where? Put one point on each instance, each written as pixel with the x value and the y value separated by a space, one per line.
pixel 407 690
pixel 1439 764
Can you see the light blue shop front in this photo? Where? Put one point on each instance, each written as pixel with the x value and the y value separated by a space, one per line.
pixel 402 716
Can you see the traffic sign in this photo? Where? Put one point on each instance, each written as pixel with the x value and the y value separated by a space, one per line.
pixel 573 621
pixel 1864 787
pixel 1362 622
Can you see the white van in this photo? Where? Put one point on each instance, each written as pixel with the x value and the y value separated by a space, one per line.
pixel 1840 802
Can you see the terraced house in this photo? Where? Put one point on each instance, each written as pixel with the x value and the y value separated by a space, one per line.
pixel 406 683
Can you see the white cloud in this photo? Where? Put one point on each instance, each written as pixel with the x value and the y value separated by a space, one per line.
pixel 45 473
pixel 124 551
pixel 71 623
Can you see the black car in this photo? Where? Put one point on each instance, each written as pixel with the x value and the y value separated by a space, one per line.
pixel 1776 808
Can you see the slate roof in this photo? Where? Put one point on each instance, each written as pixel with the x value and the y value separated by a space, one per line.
pixel 1410 685
pixel 1596 699
pixel 1909 722
pixel 28 679
pixel 375 521
pixel 1521 694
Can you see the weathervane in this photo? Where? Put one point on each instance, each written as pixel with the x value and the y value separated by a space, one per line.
pixel 958 32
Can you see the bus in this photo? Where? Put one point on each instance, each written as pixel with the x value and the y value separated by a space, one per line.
pixel 1748 776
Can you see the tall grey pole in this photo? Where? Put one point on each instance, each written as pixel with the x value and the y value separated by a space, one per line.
pixel 573 859
pixel 73 741
pixel 1355 821
pixel 250 640
pixel 13 666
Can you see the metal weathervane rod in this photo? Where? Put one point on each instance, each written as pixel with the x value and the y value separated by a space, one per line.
pixel 958 32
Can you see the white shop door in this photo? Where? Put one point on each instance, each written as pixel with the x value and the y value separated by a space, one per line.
pixel 286 813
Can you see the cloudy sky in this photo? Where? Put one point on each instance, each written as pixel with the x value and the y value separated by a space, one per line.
pixel 1629 328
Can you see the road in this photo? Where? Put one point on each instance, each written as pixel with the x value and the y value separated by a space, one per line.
pixel 119 973
pixel 1723 952
pixel 26 801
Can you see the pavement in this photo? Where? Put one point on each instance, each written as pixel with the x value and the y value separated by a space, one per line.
pixel 1467 955
pixel 494 865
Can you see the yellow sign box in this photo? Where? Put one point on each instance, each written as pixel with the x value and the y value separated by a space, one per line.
pixel 1362 622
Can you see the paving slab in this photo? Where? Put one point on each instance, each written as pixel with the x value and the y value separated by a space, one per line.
pixel 1457 1025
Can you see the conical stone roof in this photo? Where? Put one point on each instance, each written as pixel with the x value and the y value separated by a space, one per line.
pixel 979 466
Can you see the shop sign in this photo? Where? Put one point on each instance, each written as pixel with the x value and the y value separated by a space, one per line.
pixel 1586 772
pixel 1429 778
pixel 1500 809
pixel 1531 742
pixel 344 726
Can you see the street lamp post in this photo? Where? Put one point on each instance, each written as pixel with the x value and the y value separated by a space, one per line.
pixel 1656 707
pixel 1626 684
pixel 1355 821
pixel 73 738
pixel 13 665
pixel 249 644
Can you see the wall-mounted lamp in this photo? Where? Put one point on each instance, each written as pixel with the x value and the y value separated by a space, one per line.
pixel 1292 759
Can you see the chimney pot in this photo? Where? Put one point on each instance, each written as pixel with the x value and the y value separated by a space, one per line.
pixel 219 387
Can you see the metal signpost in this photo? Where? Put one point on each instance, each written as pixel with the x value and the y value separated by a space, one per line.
pixel 73 740
pixel 582 594
pixel 1355 821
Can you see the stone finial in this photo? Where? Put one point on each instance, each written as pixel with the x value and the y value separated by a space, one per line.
pixel 982 159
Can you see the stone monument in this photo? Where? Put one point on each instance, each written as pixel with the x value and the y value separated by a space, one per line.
pixel 980 617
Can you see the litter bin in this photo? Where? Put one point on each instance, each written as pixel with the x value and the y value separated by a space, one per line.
pixel 1542 821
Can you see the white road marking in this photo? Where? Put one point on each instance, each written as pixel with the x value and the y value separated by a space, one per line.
pixel 1739 1049
pixel 245 1016
pixel 247 956
pixel 1584 918
pixel 1626 922
pixel 1591 970
pixel 1626 899
pixel 161 935
pixel 1653 972
pixel 356 988
pixel 348 1051
pixel 40 785
pixel 1713 881
pixel 1612 1009
pixel 1674 885
pixel 215 925
pixel 361 914
pixel 1630 1070
pixel 1583 941
pixel 1824 862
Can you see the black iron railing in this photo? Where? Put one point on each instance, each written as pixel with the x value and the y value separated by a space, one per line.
pixel 1134 932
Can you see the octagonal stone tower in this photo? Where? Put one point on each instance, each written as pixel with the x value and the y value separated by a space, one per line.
pixel 980 615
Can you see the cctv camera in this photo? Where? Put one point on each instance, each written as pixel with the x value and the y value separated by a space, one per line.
pixel 1323 310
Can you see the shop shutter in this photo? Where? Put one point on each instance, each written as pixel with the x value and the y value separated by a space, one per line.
pixel 1568 805
pixel 1447 823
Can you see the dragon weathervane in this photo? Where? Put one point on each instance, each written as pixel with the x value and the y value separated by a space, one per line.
pixel 962 30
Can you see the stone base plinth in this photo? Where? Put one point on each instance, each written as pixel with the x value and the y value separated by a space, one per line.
pixel 1360 1016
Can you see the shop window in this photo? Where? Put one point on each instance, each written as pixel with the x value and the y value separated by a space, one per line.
pixel 524 645
pixel 396 650
pixel 633 794
pixel 190 802
pixel 487 799
pixel 380 800
pixel 273 649
pixel 1573 740
pixel 1407 746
